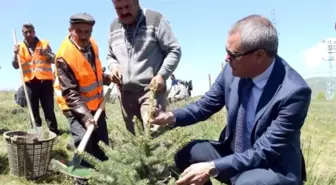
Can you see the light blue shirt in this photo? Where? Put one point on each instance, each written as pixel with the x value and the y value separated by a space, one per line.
pixel 259 85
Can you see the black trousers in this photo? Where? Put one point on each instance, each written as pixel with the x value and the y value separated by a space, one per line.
pixel 205 150
pixel 78 130
pixel 42 91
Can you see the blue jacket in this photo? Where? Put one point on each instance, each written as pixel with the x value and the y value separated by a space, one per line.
pixel 275 138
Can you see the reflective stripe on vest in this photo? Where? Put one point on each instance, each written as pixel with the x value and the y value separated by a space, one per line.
pixel 88 99
pixel 88 88
pixel 91 87
pixel 27 64
pixel 36 69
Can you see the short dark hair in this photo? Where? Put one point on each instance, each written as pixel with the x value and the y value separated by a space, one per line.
pixel 28 25
pixel 136 1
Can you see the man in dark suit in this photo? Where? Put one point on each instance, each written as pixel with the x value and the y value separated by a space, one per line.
pixel 267 103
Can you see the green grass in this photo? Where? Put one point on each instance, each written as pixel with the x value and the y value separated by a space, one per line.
pixel 318 138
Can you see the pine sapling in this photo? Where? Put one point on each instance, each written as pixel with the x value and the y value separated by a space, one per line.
pixel 139 159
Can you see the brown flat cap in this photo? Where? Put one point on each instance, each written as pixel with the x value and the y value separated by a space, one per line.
pixel 82 18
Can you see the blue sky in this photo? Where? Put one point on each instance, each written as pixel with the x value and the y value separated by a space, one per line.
pixel 200 26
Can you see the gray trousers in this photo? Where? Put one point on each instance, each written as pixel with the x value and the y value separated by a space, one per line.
pixel 136 103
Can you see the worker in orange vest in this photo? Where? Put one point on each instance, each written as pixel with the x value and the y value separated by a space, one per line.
pixel 79 85
pixel 36 58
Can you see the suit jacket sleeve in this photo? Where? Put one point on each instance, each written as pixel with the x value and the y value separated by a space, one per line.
pixel 209 104
pixel 292 113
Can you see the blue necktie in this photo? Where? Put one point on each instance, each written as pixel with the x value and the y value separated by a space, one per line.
pixel 240 144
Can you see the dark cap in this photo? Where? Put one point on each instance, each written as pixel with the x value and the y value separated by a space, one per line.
pixel 82 18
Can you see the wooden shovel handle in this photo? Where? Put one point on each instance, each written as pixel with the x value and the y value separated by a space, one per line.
pixel 90 129
pixel 24 87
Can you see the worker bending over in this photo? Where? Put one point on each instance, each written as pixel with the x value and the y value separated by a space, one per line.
pixel 79 85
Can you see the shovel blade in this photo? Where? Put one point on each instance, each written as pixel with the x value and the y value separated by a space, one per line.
pixel 68 168
pixel 38 132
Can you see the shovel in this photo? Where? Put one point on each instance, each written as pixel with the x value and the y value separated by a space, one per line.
pixel 74 168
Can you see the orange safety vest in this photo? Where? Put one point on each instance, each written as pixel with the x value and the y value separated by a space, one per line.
pixel 35 65
pixel 90 84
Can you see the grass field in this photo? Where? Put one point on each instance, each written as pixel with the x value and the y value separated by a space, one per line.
pixel 318 138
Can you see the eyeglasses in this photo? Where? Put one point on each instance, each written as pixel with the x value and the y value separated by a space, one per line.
pixel 234 56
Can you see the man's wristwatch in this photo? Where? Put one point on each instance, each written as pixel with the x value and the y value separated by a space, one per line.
pixel 213 172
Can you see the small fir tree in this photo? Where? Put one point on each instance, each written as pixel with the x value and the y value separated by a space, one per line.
pixel 139 159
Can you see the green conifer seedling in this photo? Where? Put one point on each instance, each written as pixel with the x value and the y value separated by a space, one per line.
pixel 139 159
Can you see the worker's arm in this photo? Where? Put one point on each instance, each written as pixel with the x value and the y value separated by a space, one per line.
pixel 49 54
pixel 15 63
pixel 170 47
pixel 111 58
pixel 70 91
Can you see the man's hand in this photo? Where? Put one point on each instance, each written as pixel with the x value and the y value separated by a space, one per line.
pixel 91 121
pixel 45 51
pixel 159 81
pixel 116 76
pixel 162 118
pixel 196 174
pixel 16 49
